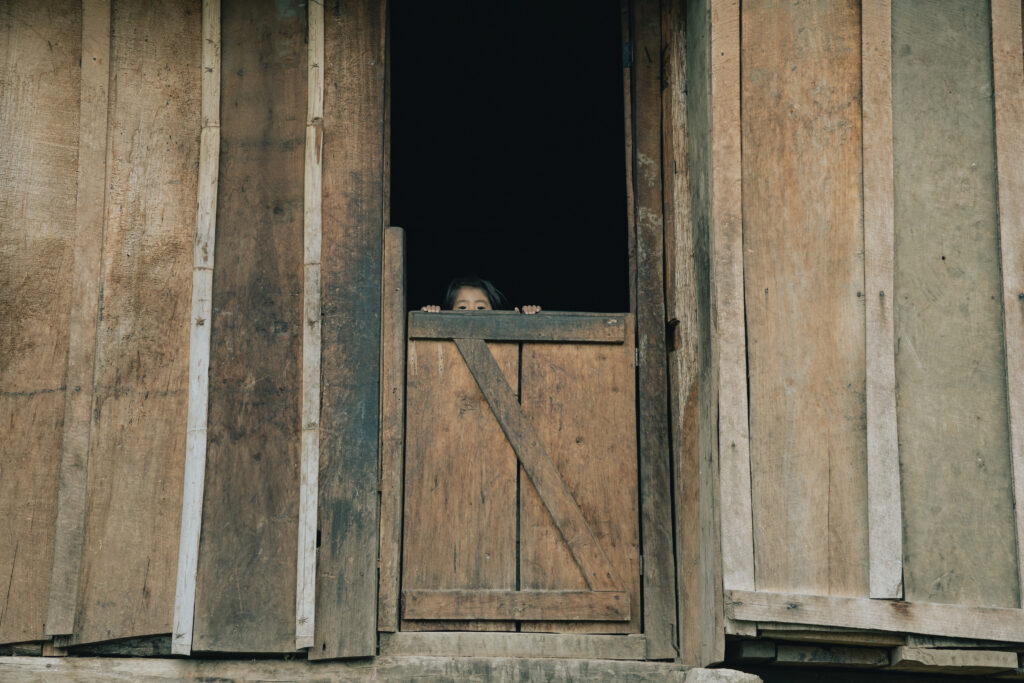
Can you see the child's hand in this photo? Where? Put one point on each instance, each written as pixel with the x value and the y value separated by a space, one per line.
pixel 431 309
pixel 529 310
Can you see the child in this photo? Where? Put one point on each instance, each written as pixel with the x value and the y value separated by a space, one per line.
pixel 475 294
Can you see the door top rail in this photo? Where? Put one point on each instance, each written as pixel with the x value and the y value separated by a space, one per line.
pixel 546 326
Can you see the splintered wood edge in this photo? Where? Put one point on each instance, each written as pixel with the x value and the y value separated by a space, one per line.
pixel 885 522
pixel 199 338
pixel 1008 81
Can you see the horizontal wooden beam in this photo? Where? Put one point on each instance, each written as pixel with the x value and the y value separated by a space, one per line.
pixel 468 644
pixel 987 623
pixel 524 605
pixel 509 326
pixel 963 662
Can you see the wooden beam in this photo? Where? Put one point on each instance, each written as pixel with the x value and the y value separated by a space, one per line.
pixel 525 605
pixel 963 662
pixel 726 247
pixel 750 651
pixel 1008 79
pixel 199 339
pixel 85 304
pixel 987 623
pixel 509 326
pixel 467 644
pixel 885 521
pixel 819 656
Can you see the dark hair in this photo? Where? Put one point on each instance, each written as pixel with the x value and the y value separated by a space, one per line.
pixel 496 298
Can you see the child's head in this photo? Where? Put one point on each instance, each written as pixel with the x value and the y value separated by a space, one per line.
pixel 473 294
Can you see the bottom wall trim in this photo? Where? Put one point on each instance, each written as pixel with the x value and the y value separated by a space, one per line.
pixel 466 644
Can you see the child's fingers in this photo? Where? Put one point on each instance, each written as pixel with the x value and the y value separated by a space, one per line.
pixel 431 309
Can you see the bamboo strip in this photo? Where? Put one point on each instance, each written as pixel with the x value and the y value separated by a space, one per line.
pixel 1008 79
pixel 885 523
pixel 69 537
pixel 199 338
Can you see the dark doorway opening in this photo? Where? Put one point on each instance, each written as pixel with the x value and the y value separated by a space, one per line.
pixel 508 149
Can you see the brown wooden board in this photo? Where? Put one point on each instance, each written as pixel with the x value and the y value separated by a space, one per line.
pixel 346 580
pixel 804 277
pixel 136 458
pixel 511 326
pixel 245 585
pixel 39 84
pixel 950 367
pixel 580 399
pixel 527 605
pixel 460 481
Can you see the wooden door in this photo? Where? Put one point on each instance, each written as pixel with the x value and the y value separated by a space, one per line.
pixel 521 505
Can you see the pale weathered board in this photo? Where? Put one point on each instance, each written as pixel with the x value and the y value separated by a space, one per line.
pixel 561 645
pixel 245 587
pixel 580 399
pixel 140 392
pixel 950 365
pixel 803 264
pixel 930 660
pixel 39 84
pixel 460 480
pixel 346 578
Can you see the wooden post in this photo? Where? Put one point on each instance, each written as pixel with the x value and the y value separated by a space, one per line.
pixel 85 304
pixel 199 341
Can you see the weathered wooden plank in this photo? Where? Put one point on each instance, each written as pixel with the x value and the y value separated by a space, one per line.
pixel 885 522
pixel 245 599
pixel 149 646
pixel 346 583
pixel 563 645
pixel 950 361
pixel 750 651
pixel 987 623
pixel 831 635
pixel 392 426
pixel 846 657
pixel 628 54
pixel 39 83
pixel 510 326
pixel 460 480
pixel 581 400
pixel 804 282
pixel 725 247
pixel 85 304
pixel 526 605
pixel 1008 80
pixel 659 586
pixel 976 662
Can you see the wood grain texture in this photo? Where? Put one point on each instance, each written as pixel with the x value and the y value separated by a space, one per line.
pixel 525 605
pixel 628 55
pixel 460 480
pixel 39 82
pixel 562 645
pixel 511 326
pixel 659 586
pixel 728 324
pixel 346 583
pixel 803 264
pixel 245 592
pixel 885 520
pixel 963 662
pixel 950 362
pixel 581 401
pixel 392 427
pixel 1008 80
pixel 140 379
pixel 846 657
pixel 85 304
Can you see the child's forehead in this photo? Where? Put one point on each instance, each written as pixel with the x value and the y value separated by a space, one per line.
pixel 468 291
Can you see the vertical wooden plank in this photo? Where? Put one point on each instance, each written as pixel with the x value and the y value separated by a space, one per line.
pixel 560 386
pixel 803 272
pixel 85 295
pixel 885 520
pixel 346 588
pixel 39 102
pixel 245 584
pixel 951 370
pixel 392 426
pixel 628 55
pixel 199 334
pixel 725 247
pixel 305 602
pixel 1008 79
pixel 460 474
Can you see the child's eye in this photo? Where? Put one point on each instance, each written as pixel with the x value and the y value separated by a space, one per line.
pixel 462 308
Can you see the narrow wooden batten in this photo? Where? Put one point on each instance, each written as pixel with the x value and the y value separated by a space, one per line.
pixel 199 338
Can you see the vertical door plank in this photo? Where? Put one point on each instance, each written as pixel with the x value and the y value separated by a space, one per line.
pixel 39 103
pixel 460 481
pixel 628 56
pixel 803 264
pixel 140 385
pixel 1008 77
pixel 588 441
pixel 950 358
pixel 346 580
pixel 885 520
pixel 85 304
pixel 245 588
pixel 659 612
